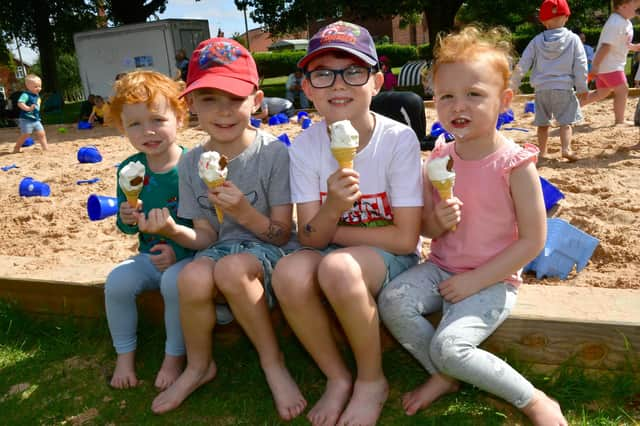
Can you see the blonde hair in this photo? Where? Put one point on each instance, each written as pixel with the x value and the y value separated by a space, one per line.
pixel 144 86
pixel 472 43
pixel 32 77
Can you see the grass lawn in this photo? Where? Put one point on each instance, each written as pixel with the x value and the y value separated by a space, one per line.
pixel 55 371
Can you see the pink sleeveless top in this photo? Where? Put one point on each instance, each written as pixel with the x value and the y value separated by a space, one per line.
pixel 488 223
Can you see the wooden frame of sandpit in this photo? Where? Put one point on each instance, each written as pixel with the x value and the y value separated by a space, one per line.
pixel 593 327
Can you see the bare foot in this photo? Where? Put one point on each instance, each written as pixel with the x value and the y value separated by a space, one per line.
pixel 544 411
pixel 570 156
pixel 425 394
pixel 124 375
pixel 289 400
pixel 366 403
pixel 328 408
pixel 185 385
pixel 635 147
pixel 625 123
pixel 16 151
pixel 171 368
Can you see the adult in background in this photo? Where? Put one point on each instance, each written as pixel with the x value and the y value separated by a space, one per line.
pixel 294 89
pixel 272 106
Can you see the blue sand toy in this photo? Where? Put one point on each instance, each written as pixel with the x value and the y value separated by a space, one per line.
pixel 505 118
pixel 28 142
pixel 284 138
pixel 94 180
pixel 89 154
pixel 84 125
pixel 566 246
pixel 101 206
pixel 530 107
pixel 550 193
pixel 256 122
pixel 33 188
pixel 7 168
pixel 437 130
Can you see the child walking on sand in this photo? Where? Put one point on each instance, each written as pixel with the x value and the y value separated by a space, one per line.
pixel 481 239
pixel 611 58
pixel 559 63
pixel 360 223
pixel 248 219
pixel 147 108
pixel 29 118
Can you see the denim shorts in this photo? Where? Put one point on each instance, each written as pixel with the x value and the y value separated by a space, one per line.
pixel 561 104
pixel 29 126
pixel 396 264
pixel 267 254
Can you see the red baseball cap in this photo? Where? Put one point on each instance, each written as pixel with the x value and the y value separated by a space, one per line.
pixel 223 64
pixel 553 8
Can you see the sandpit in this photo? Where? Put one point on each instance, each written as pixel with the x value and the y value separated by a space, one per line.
pixel 52 238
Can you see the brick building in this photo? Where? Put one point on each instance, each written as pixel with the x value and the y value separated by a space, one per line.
pixel 414 34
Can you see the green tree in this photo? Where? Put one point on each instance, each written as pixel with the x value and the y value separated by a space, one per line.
pixel 284 16
pixel 47 26
pixel 133 11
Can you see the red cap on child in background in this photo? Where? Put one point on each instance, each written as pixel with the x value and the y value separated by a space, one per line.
pixel 553 8
pixel 223 64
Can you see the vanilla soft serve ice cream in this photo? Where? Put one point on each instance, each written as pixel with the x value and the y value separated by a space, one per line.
pixel 344 142
pixel 437 169
pixel 343 135
pixel 132 176
pixel 131 180
pixel 212 168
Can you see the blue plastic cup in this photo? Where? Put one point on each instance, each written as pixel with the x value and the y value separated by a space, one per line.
pixel 33 188
pixel 101 206
pixel 282 118
pixel 89 154
pixel 306 122
pixel 84 125
pixel 28 142
pixel 256 122
pixel 273 120
pixel 302 114
pixel 530 107
pixel 284 138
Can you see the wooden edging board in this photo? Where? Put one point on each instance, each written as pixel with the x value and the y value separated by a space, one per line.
pixel 597 328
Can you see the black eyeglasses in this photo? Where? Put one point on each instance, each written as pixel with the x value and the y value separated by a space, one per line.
pixel 354 75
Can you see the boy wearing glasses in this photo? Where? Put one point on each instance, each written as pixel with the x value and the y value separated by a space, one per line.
pixel 359 226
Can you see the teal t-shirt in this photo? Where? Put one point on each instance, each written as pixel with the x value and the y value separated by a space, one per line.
pixel 159 190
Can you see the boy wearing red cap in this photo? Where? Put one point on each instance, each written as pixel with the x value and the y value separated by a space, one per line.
pixel 360 223
pixel 559 64
pixel 238 252
pixel 611 58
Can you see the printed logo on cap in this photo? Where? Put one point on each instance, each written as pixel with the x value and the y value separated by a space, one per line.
pixel 343 32
pixel 218 53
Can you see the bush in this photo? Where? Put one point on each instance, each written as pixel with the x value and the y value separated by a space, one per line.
pixel 277 63
pixel 398 54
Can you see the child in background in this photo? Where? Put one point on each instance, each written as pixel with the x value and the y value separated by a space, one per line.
pixel 611 58
pixel 360 224
pixel 29 118
pixel 86 108
pixel 147 108
pixel 390 80
pixel 222 89
pixel 97 113
pixel 559 63
pixel 473 271
pixel 273 106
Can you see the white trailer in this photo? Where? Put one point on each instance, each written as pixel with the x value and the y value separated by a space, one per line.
pixel 104 53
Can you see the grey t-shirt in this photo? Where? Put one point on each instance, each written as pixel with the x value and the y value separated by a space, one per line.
pixel 261 172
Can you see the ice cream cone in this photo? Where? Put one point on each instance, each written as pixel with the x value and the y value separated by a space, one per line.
pixel 445 190
pixel 132 198
pixel 214 184
pixel 344 156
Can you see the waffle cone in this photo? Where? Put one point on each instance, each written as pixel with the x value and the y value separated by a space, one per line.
pixel 132 197
pixel 445 190
pixel 214 184
pixel 344 156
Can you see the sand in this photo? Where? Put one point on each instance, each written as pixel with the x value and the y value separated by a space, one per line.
pixel 52 238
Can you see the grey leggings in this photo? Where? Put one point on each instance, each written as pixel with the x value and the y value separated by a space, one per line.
pixel 451 348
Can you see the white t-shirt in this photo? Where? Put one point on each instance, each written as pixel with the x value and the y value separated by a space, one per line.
pixel 389 168
pixel 618 33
